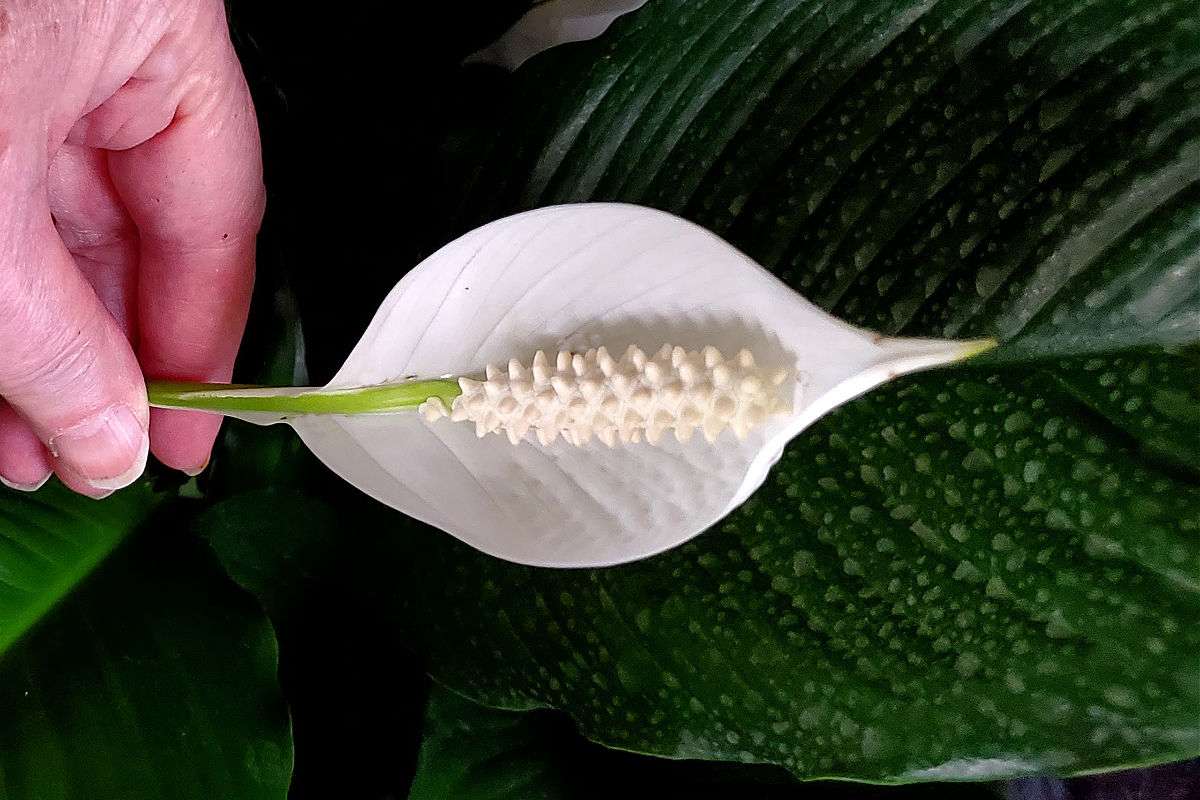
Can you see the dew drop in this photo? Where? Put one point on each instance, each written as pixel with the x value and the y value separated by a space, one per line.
pixel 967 664
pixel 1054 163
pixel 1017 421
pixel 1098 546
pixel 976 461
pixel 872 743
pixel 1057 519
pixel 996 588
pixel 1057 627
pixel 803 563
pixel 966 571
pixel 1121 696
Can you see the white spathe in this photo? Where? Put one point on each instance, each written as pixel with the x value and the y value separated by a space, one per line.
pixel 549 24
pixel 577 277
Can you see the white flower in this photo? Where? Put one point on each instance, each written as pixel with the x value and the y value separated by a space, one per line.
pixel 575 279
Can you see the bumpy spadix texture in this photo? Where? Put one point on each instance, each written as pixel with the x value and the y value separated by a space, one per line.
pixel 592 394
pixel 573 278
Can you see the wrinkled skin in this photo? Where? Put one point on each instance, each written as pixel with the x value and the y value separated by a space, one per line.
pixel 130 196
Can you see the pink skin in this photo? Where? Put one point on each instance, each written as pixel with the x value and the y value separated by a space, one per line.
pixel 130 196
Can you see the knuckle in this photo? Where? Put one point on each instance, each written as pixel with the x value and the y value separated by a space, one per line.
pixel 41 353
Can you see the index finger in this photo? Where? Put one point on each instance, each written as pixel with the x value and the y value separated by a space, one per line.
pixel 195 193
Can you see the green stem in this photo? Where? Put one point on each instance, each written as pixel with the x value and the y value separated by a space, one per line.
pixel 288 401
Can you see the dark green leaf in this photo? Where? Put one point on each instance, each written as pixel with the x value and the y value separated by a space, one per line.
pixel 466 750
pixel 829 630
pixel 50 540
pixel 956 167
pixel 967 574
pixel 354 693
pixel 469 751
pixel 982 573
pixel 155 679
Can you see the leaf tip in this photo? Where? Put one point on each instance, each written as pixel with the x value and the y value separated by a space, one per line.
pixel 975 347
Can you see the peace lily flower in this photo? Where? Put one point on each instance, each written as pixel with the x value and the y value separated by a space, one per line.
pixel 644 377
pixel 550 23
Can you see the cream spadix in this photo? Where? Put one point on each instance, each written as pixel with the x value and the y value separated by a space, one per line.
pixel 636 398
pixel 569 280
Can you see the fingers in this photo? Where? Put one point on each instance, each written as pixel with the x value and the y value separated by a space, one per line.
pixel 195 193
pixel 103 242
pixel 96 229
pixel 24 463
pixel 66 366
pixel 174 273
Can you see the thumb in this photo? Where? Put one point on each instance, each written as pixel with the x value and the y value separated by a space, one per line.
pixel 65 365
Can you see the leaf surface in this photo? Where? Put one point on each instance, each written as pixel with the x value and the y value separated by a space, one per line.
pixel 961 576
pixel 485 754
pixel 50 540
pixel 156 678
pixel 967 575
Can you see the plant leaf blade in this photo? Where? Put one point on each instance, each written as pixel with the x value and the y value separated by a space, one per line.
pixel 924 170
pixel 50 540
pixel 154 679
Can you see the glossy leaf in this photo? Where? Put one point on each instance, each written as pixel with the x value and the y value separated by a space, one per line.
pixel 154 679
pixel 481 753
pixel 50 540
pixel 286 548
pixel 924 610
pixel 833 631
pixel 967 575
pixel 955 577
pixel 956 168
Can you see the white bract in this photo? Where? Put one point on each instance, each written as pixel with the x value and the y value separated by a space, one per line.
pixel 591 479
pixel 549 24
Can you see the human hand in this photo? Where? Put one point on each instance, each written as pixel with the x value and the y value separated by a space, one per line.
pixel 130 195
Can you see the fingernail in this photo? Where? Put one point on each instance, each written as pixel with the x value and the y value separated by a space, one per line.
pixel 194 471
pixel 25 487
pixel 108 451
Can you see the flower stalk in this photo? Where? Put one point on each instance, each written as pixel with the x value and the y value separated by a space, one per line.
pixel 222 398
